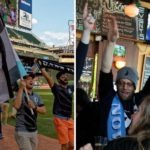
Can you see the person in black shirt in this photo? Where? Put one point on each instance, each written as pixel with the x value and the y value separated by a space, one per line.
pixel 62 108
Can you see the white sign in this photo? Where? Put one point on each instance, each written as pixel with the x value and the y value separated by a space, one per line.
pixel 25 19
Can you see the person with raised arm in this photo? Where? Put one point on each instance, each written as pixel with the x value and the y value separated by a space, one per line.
pixel 111 116
pixel 62 108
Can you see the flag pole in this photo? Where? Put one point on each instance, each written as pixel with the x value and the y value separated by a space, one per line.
pixel 27 95
pixel 21 69
pixel 28 98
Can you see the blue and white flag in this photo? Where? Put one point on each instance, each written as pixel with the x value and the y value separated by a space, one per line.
pixel 11 68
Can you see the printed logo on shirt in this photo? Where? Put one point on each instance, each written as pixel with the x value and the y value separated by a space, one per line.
pixel 127 120
pixel 69 91
pixel 36 100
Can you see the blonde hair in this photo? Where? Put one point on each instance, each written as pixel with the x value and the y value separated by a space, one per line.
pixel 144 122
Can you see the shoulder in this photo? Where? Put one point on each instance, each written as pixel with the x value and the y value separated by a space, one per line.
pixel 71 87
pixel 55 86
pixel 36 96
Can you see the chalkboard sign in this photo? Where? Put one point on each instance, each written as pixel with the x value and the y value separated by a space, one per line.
pixel 131 28
pixel 146 70
pixel 126 25
pixel 95 8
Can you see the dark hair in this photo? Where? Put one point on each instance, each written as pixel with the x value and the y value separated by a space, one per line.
pixel 59 74
pixel 143 138
pixel 29 75
pixel 144 122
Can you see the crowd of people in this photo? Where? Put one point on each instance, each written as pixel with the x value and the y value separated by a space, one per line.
pixel 28 104
pixel 111 117
pixel 121 117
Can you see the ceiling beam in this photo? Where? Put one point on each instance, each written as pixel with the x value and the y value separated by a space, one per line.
pixel 145 3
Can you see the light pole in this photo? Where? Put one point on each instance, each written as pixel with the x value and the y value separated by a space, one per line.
pixel 71 28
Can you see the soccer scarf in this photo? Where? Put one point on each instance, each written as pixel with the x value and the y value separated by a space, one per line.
pixel 116 122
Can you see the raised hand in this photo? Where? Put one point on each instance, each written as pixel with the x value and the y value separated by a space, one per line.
pixel 21 83
pixel 88 19
pixel 113 33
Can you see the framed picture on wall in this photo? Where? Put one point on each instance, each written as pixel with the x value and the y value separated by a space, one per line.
pixel 146 70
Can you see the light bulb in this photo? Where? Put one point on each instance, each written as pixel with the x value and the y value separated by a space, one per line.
pixel 131 10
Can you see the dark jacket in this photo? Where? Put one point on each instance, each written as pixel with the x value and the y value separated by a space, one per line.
pixel 128 143
pixel 80 57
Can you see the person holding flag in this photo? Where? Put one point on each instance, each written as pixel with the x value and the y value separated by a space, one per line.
pixel 26 126
pixel 26 102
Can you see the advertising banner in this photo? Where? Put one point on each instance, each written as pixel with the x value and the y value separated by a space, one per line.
pixel 26 5
pixel 25 19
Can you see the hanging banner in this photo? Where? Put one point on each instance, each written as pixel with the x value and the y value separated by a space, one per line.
pixel 54 65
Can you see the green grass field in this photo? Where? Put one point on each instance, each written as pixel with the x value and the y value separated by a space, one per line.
pixel 44 122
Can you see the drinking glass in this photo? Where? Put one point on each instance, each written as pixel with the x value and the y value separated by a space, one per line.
pixel 100 142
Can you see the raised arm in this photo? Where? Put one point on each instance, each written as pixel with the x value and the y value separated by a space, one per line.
pixel 47 77
pixel 88 23
pixel 18 99
pixel 112 37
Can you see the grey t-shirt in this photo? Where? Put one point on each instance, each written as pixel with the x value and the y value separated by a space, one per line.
pixel 25 120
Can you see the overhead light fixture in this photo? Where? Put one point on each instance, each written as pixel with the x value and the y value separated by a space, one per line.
pixel 131 10
pixel 120 64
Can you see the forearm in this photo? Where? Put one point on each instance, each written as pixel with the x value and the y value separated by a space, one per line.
pixel 18 100
pixel 47 77
pixel 108 57
pixel 80 58
pixel 41 110
pixel 86 36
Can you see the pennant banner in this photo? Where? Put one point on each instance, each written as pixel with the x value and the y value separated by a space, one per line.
pixel 54 65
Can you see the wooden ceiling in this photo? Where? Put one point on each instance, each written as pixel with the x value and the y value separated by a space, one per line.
pixel 145 3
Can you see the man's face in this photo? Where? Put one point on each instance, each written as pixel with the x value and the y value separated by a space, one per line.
pixel 125 89
pixel 63 79
pixel 29 82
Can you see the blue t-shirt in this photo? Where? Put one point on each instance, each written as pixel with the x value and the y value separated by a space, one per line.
pixel 25 120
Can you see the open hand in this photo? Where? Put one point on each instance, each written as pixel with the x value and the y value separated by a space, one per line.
pixel 88 18
pixel 113 33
